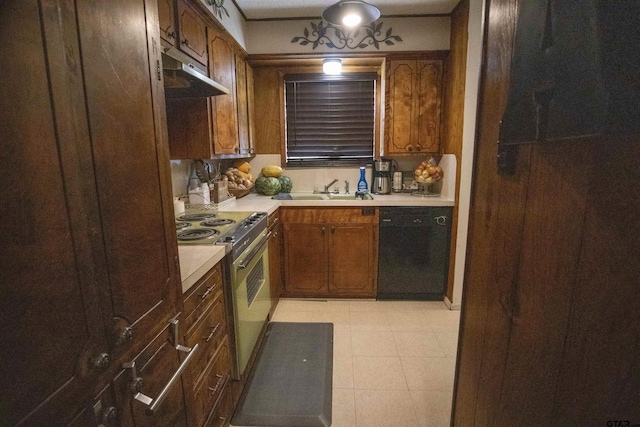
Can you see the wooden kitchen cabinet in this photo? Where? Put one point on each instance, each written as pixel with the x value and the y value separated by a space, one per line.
pixel 413 104
pixel 89 261
pixel 275 259
pixel 167 20
pixel 206 320
pixel 330 252
pixel 244 90
pixel 223 108
pixel 192 33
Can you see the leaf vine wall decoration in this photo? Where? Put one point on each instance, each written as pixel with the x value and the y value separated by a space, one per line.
pixel 218 7
pixel 335 37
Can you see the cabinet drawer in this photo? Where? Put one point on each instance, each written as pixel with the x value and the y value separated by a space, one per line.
pixel 215 380
pixel 221 416
pixel 208 332
pixel 201 296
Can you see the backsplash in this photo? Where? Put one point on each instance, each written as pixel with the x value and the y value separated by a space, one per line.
pixel 310 179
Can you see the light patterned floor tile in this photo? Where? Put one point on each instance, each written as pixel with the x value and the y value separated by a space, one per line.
pixel 367 306
pixel 408 321
pixel 384 408
pixel 433 408
pixel 342 340
pixel 447 321
pixel 449 342
pixel 335 317
pixel 342 372
pixel 369 321
pixel 429 373
pixel 412 305
pixel 343 410
pixel 300 305
pixel 378 373
pixel 418 344
pixel 292 316
pixel 373 343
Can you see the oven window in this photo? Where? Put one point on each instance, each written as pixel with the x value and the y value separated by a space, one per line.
pixel 254 281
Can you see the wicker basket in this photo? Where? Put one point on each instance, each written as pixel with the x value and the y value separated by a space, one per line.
pixel 238 193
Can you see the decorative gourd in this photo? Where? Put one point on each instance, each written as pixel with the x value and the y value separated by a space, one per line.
pixel 285 184
pixel 272 171
pixel 267 185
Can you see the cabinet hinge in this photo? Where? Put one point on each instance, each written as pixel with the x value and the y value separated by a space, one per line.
pixel 159 70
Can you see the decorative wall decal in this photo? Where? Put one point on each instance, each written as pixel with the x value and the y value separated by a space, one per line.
pixel 334 37
pixel 218 7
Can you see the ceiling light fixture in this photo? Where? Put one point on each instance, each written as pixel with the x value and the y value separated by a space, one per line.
pixel 332 66
pixel 351 13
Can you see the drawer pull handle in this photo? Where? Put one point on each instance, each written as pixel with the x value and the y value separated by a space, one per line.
pixel 221 380
pixel 151 403
pixel 214 329
pixel 208 291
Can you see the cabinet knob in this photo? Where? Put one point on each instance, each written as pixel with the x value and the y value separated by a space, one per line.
pixel 100 361
pixel 409 148
pixel 185 42
pixel 109 416
pixel 419 147
pixel 171 35
pixel 136 385
pixel 126 335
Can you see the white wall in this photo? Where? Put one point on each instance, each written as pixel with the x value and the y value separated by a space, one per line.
pixel 234 23
pixel 274 37
pixel 474 61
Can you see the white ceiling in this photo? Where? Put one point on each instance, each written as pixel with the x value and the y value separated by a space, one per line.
pixel 275 9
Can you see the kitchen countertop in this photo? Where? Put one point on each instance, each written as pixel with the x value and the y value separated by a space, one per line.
pixel 196 260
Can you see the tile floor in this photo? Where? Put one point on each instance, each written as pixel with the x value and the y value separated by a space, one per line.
pixel 393 361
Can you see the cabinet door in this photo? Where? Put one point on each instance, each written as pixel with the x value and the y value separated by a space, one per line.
pixel 193 33
pixel 224 111
pixel 275 264
pixel 352 260
pixel 242 100
pixel 427 106
pixel 305 254
pixel 251 108
pixel 167 19
pixel 140 286
pixel 51 256
pixel 401 129
pixel 154 365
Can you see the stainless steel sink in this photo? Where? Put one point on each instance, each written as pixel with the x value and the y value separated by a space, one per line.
pixel 366 196
pixel 328 196
pixel 308 196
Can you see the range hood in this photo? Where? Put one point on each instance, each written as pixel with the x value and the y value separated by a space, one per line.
pixel 183 80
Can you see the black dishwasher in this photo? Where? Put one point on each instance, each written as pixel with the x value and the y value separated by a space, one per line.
pixel 413 253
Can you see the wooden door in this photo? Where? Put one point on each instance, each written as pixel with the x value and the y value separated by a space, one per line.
pixel 305 258
pixel 167 19
pixel 402 79
pixel 352 266
pixel 51 254
pixel 193 33
pixel 427 106
pixel 126 112
pixel 242 100
pixel 224 111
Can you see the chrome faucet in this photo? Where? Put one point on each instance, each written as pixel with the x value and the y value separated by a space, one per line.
pixel 346 187
pixel 327 187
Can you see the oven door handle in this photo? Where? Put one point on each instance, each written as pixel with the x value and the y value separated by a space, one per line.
pixel 245 263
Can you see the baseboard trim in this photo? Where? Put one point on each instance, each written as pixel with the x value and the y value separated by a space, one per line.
pixel 450 305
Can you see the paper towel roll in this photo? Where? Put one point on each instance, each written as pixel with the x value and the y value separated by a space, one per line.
pixel 178 207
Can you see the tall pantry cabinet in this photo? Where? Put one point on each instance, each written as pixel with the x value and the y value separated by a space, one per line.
pixel 89 274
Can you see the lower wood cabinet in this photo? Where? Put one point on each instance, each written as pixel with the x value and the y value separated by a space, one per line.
pixel 330 252
pixel 209 374
pixel 275 259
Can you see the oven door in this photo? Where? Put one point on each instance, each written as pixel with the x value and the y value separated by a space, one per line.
pixel 251 298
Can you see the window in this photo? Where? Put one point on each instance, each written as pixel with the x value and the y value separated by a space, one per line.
pixel 330 119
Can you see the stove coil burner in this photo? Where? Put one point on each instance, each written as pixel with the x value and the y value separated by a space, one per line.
pixel 217 222
pixel 196 217
pixel 197 234
pixel 182 225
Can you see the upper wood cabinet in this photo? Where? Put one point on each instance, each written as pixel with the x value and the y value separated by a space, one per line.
pixel 330 252
pixel 245 101
pixel 79 296
pixel 167 20
pixel 192 32
pixel 413 103
pixel 222 69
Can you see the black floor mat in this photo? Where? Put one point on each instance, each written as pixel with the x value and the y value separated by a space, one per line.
pixel 291 381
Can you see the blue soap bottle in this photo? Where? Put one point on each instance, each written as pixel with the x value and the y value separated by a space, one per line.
pixel 362 184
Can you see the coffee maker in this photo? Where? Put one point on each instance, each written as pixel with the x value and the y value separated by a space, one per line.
pixel 381 176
